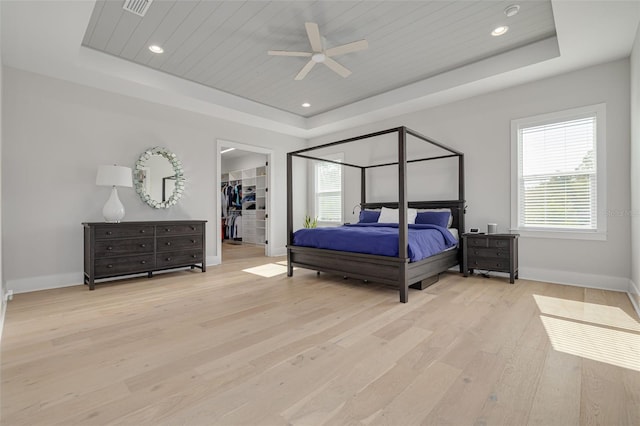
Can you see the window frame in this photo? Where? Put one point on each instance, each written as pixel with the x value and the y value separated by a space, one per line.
pixel 333 157
pixel 600 233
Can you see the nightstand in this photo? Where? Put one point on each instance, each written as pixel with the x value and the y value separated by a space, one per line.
pixel 491 252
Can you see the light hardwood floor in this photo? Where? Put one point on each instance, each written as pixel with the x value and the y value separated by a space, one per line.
pixel 228 347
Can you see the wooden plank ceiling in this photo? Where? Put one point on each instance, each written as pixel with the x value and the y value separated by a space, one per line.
pixel 223 44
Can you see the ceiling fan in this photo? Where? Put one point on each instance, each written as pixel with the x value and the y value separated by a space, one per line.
pixel 320 55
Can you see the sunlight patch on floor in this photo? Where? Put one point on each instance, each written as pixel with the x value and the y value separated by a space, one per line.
pixel 601 344
pixel 589 330
pixel 267 270
pixel 611 316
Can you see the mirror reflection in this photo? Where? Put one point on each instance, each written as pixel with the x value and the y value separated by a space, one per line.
pixel 159 178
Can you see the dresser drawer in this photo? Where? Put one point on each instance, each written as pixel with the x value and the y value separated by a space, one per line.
pixel 175 243
pixel 179 229
pixel 178 258
pixel 489 264
pixel 498 253
pixel 119 247
pixel 123 265
pixel 122 231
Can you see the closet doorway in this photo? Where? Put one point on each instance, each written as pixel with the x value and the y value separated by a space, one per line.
pixel 243 183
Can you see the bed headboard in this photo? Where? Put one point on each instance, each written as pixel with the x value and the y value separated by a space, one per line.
pixel 457 209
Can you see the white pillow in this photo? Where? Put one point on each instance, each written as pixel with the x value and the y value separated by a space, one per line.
pixel 440 210
pixel 391 216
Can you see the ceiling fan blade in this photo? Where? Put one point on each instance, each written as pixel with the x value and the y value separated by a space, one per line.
pixel 313 32
pixel 337 67
pixel 347 48
pixel 288 53
pixel 305 70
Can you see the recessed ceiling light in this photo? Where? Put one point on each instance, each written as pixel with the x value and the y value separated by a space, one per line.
pixel 306 105
pixel 156 49
pixel 512 10
pixel 498 31
pixel 226 150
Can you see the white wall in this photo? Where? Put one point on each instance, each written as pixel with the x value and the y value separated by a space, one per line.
pixel 248 160
pixel 56 134
pixel 480 128
pixel 634 288
pixel 3 288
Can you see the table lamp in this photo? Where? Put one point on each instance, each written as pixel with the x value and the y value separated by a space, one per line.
pixel 113 176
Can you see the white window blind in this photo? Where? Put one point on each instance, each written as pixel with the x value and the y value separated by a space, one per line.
pixel 557 182
pixel 328 192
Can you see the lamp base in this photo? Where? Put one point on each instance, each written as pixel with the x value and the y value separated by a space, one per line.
pixel 113 210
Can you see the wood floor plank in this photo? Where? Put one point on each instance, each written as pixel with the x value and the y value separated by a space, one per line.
pixel 231 347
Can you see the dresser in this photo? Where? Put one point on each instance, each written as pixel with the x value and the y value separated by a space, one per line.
pixel 126 248
pixel 491 252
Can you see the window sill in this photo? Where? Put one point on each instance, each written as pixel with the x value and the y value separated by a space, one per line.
pixel 562 235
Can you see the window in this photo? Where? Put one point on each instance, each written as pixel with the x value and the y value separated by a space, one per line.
pixel 328 191
pixel 558 174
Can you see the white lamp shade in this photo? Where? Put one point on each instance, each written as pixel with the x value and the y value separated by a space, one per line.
pixel 114 176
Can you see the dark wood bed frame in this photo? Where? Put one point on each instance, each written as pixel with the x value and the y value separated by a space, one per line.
pixel 384 269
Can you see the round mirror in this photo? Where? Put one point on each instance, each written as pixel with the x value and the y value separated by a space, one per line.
pixel 159 178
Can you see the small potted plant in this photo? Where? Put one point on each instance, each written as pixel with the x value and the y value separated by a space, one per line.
pixel 310 223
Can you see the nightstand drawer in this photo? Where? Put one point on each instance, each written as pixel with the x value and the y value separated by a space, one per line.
pixel 489 264
pixel 476 242
pixel 476 252
pixel 498 243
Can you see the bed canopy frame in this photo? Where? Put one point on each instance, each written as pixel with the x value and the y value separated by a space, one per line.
pixel 385 269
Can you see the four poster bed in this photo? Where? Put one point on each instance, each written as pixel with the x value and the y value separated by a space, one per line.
pixel 404 268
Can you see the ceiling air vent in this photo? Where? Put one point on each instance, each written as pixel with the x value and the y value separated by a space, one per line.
pixel 139 7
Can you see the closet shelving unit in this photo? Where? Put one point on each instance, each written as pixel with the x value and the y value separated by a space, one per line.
pixel 254 202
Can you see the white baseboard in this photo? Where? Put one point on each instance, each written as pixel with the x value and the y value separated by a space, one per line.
pixel 213 260
pixel 45 282
pixel 634 295
pixel 601 282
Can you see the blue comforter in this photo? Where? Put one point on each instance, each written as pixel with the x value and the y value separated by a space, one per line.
pixel 377 238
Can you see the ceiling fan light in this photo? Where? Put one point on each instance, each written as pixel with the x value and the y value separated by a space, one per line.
pixel 498 31
pixel 318 57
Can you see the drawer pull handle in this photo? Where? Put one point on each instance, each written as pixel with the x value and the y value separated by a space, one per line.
pixel 109 248
pixel 142 231
pixel 143 245
pixel 109 266
pixel 193 241
pixel 168 243
pixel 194 256
pixel 143 261
pixel 109 233
pixel 193 228
pixel 168 258
pixel 167 230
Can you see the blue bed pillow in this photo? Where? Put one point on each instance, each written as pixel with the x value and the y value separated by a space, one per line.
pixel 369 216
pixel 433 218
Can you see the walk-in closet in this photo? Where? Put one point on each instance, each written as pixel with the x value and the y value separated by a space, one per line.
pixel 243 199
